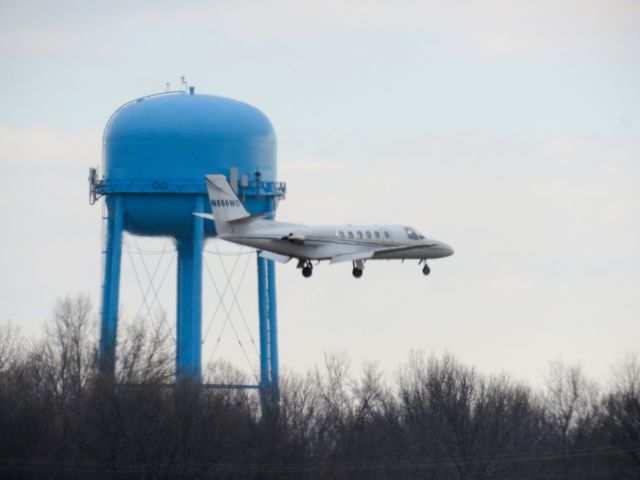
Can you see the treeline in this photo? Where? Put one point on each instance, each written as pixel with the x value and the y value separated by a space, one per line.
pixel 436 419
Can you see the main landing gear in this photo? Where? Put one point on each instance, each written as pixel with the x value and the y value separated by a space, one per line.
pixel 307 268
pixel 358 267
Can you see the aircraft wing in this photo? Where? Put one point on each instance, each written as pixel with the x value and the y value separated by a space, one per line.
pixel 274 256
pixel 350 257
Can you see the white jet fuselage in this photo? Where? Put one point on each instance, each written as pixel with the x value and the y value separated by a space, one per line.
pixel 331 241
pixel 282 241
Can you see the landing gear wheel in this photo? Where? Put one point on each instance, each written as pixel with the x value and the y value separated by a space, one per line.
pixel 426 270
pixel 357 272
pixel 307 271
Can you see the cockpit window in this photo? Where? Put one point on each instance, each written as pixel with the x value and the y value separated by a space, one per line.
pixel 412 234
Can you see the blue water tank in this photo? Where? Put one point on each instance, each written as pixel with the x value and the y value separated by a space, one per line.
pixel 158 149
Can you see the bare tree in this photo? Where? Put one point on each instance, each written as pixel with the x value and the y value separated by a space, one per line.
pixel 298 412
pixel 10 345
pixel 621 422
pixel 70 349
pixel 570 401
pixel 145 353
pixel 461 422
pixel 442 420
pixel 335 402
pixel 626 375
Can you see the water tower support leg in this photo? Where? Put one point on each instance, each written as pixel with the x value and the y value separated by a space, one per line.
pixel 269 376
pixel 273 333
pixel 111 287
pixel 189 334
pixel 263 306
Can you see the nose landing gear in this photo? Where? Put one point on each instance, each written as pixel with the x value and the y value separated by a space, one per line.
pixel 426 270
pixel 358 268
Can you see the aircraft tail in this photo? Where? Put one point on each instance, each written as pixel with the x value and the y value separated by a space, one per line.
pixel 224 203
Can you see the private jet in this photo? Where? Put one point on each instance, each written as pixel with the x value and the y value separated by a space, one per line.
pixel 280 241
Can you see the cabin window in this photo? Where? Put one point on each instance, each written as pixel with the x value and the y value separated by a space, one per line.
pixel 368 234
pixel 350 234
pixel 360 235
pixel 377 234
pixel 386 235
pixel 340 234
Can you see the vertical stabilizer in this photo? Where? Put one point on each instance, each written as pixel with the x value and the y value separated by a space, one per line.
pixel 224 203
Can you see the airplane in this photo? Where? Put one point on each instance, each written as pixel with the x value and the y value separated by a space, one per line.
pixel 280 241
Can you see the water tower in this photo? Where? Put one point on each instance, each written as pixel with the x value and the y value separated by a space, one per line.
pixel 157 150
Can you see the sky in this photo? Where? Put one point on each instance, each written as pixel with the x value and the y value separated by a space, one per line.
pixel 508 129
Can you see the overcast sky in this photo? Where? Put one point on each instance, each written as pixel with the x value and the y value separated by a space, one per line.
pixel 510 130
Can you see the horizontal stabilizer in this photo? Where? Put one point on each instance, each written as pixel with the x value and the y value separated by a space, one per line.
pixel 274 256
pixel 350 257
pixel 206 216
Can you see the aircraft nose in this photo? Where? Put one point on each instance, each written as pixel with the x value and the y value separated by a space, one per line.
pixel 447 249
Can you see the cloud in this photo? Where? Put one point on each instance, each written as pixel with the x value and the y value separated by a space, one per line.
pixel 546 259
pixel 48 149
pixel 51 245
pixel 585 27
pixel 311 166
pixel 545 234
